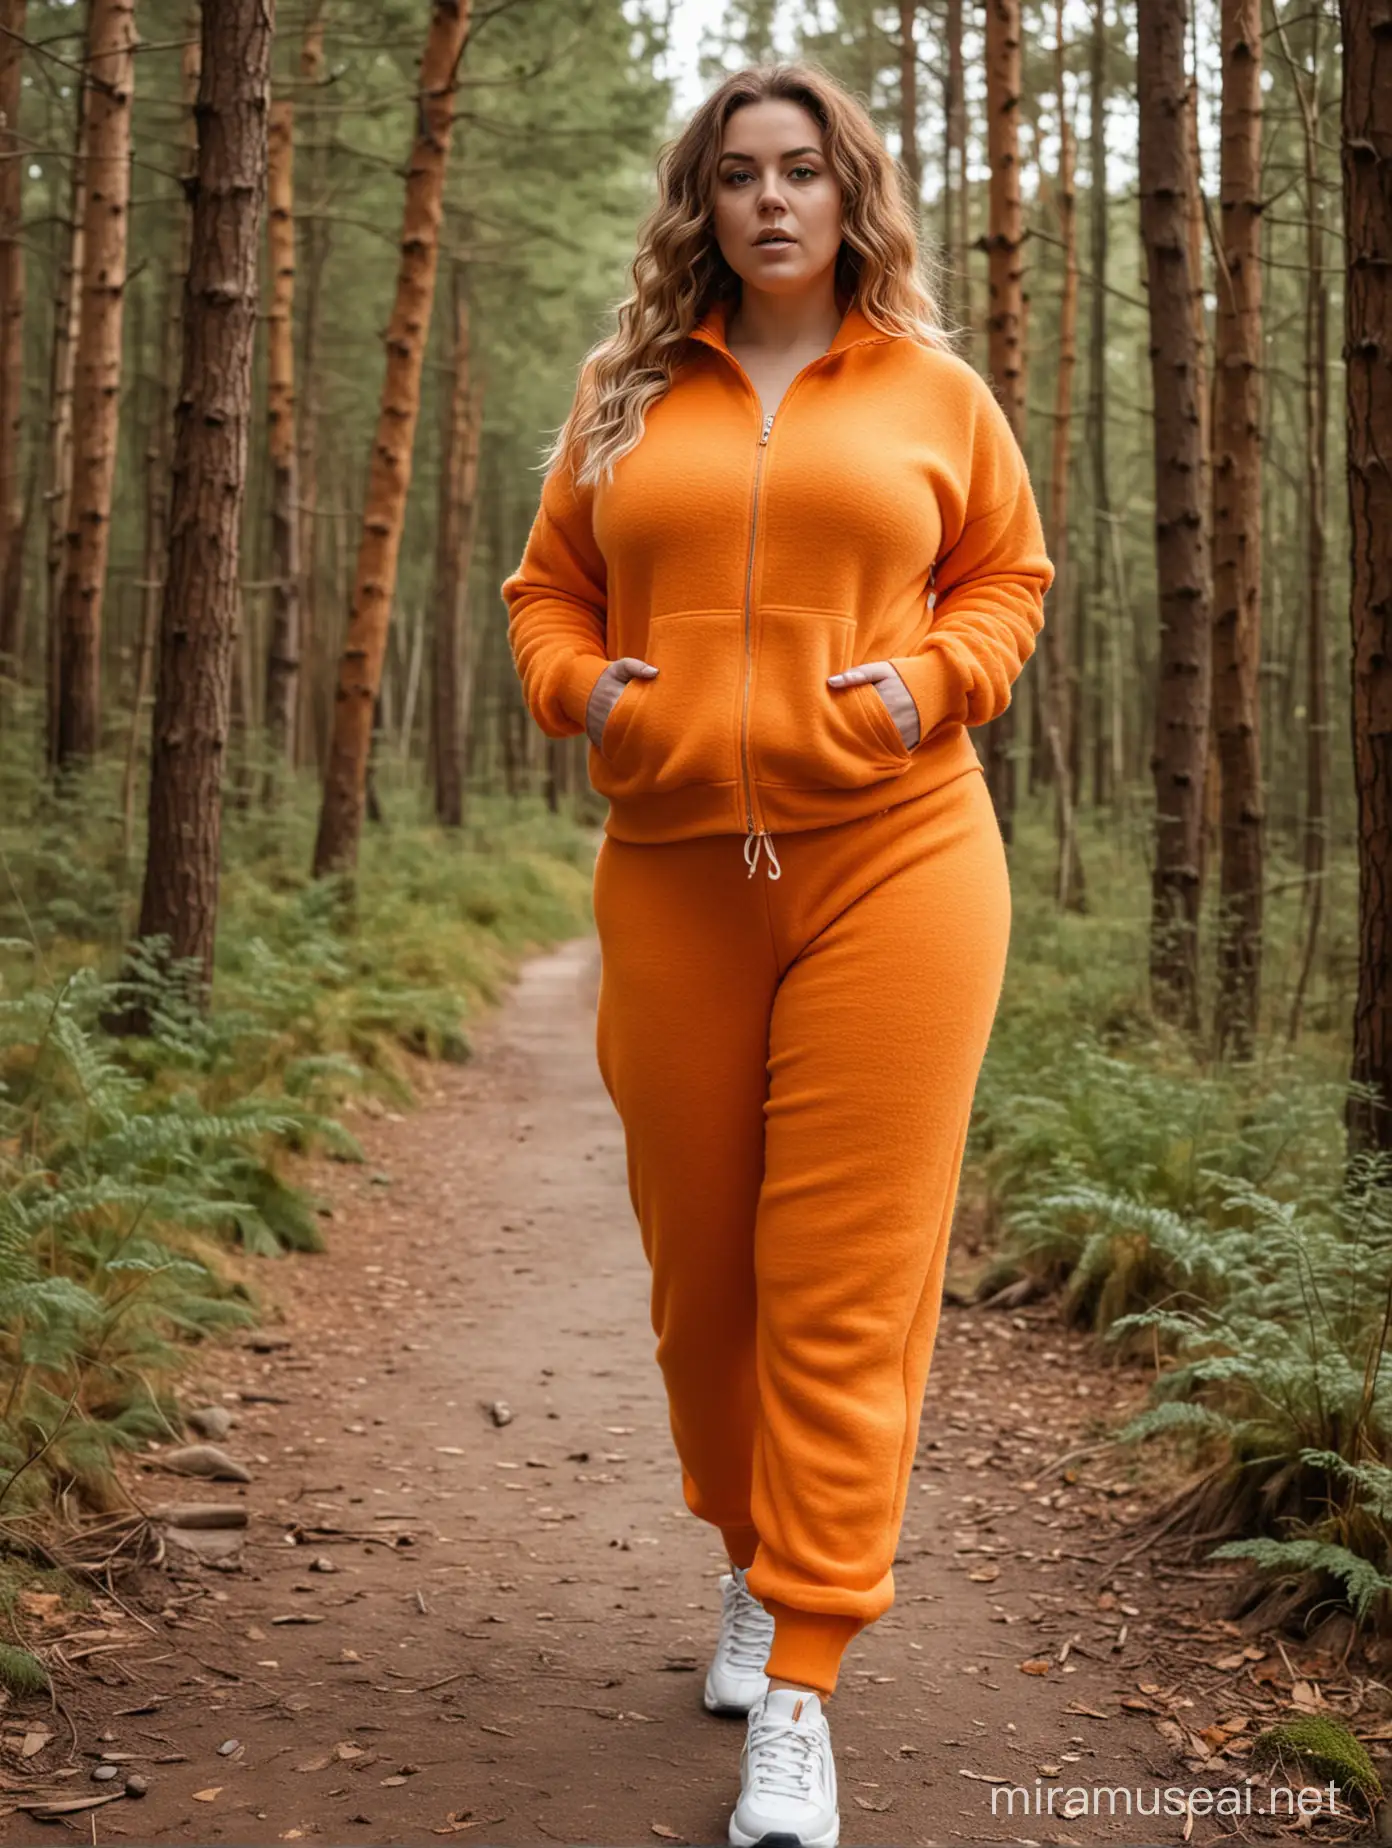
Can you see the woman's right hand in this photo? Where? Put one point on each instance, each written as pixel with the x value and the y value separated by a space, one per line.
pixel 606 691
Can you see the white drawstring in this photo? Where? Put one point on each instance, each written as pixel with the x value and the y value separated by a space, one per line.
pixel 775 871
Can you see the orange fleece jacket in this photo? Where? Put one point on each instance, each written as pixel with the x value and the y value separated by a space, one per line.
pixel 748 557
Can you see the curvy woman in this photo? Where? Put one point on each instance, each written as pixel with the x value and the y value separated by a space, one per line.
pixel 786 557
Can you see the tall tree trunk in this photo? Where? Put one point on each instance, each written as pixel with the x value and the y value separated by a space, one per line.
pixel 1199 220
pixel 283 655
pixel 455 542
pixel 1184 683
pixel 156 547
pixel 201 593
pixel 159 435
pixel 956 193
pixel 1316 406
pixel 1055 696
pixel 12 18
pixel 311 746
pixel 67 310
pixel 97 377
pixel 908 103
pixel 1237 531
pixel 1095 633
pixel 340 818
pixel 1005 319
pixel 1367 173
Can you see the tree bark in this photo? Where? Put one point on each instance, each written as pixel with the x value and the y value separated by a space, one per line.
pixel 283 655
pixel 340 819
pixel 110 83
pixel 1367 176
pixel 1094 634
pixel 156 546
pixel 12 20
pixel 956 190
pixel 908 103
pixel 1185 663
pixel 67 309
pixel 1316 408
pixel 201 595
pixel 455 530
pixel 1055 695
pixel 311 737
pixel 1005 318
pixel 1238 370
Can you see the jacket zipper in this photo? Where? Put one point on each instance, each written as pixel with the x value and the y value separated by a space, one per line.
pixel 758 837
pixel 749 652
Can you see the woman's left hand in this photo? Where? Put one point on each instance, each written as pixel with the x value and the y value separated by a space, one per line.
pixel 890 687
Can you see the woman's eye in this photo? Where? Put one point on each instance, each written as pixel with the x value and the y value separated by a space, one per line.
pixel 744 173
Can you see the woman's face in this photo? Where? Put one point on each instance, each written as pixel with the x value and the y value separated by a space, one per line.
pixel 773 176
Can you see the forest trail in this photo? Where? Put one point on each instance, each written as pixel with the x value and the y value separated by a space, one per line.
pixel 513 1648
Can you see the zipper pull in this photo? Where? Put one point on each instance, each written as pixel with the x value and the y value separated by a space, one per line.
pixel 768 425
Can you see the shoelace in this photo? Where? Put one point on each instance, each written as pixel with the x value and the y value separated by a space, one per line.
pixel 775 871
pixel 783 1757
pixel 750 1628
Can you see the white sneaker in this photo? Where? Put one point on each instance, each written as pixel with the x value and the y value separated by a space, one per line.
pixel 736 1678
pixel 787 1776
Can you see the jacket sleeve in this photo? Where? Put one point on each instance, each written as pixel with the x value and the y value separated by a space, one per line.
pixel 990 582
pixel 557 607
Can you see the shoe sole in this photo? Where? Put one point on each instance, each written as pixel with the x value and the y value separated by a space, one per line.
pixel 727 1709
pixel 780 1838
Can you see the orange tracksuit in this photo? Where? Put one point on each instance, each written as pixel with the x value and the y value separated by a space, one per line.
pixel 794 1058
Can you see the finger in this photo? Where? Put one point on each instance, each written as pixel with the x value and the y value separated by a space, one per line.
pixel 868 671
pixel 631 666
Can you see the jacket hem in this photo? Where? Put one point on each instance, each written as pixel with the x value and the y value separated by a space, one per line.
pixel 716 808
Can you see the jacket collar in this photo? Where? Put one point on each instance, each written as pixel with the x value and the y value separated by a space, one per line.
pixel 855 329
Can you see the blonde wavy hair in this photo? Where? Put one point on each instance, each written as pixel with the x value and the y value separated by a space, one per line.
pixel 678 269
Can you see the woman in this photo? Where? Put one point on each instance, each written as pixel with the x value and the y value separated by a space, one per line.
pixel 787 554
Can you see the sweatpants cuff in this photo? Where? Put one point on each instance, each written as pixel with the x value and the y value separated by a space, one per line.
pixel 741 1543
pixel 808 1645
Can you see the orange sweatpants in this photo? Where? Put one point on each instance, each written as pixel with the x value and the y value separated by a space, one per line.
pixel 793 1062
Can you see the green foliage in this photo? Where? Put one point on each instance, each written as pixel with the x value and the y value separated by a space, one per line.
pixel 1204 1217
pixel 22 1673
pixel 1327 1746
pixel 130 1165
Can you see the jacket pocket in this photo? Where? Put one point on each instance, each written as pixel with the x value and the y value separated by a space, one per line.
pixel 682 727
pixel 803 733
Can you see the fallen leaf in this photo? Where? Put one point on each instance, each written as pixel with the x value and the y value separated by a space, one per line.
pixel 984 1575
pixel 208 1796
pixel 865 1802
pixel 1037 1665
pixel 668 1835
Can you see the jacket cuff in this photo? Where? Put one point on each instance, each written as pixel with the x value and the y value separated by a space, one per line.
pixel 936 690
pixel 578 681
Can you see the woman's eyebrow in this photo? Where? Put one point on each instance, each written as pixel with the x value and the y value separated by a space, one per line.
pixel 788 155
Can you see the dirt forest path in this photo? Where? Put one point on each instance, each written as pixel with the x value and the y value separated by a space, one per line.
pixel 443 1625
